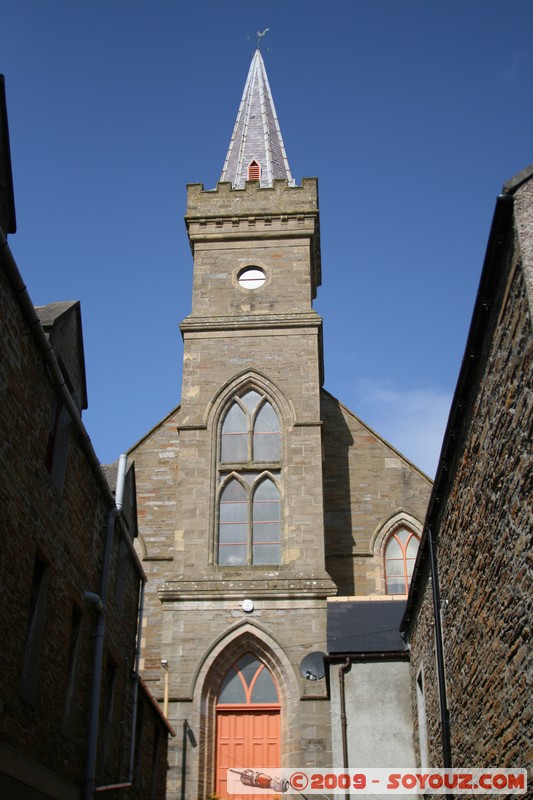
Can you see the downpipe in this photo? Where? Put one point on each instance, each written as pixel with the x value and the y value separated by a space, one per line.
pixel 343 669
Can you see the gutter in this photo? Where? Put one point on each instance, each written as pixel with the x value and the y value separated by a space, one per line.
pixel 385 655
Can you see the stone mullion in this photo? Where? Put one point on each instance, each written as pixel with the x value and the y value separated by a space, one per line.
pixel 250 523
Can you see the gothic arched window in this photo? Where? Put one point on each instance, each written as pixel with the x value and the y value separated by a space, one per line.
pixel 249 474
pixel 400 555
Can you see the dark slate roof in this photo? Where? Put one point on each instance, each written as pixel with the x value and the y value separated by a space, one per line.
pixel 365 626
pixel 256 135
pixel 50 313
pixel 62 324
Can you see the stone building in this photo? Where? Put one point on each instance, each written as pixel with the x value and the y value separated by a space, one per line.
pixel 260 497
pixel 468 618
pixel 74 716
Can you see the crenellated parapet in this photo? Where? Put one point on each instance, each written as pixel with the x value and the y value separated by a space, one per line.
pixel 278 199
pixel 281 211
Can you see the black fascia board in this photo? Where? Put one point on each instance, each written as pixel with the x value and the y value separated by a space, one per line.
pixel 8 222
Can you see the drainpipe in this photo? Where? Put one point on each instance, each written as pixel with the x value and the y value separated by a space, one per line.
pixel 439 651
pixel 164 664
pixel 94 599
pixel 98 655
pixel 343 669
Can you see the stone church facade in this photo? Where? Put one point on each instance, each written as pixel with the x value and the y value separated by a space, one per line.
pixel 262 500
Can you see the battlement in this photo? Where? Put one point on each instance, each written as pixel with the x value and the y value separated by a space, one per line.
pixel 280 199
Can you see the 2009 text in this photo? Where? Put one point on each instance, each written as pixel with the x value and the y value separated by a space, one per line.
pixel 377 781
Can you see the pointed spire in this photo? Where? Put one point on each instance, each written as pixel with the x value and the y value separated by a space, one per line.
pixel 256 148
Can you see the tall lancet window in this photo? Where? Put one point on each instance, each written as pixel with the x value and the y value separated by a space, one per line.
pixel 400 556
pixel 249 489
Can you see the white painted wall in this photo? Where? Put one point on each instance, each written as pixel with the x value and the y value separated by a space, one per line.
pixel 379 717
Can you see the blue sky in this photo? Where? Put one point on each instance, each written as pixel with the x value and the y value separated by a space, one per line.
pixel 412 115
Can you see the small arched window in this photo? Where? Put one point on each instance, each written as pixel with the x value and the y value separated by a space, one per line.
pixel 249 475
pixel 400 555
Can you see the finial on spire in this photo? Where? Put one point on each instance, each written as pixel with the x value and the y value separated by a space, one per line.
pixel 260 36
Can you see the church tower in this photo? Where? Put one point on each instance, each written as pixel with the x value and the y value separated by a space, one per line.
pixel 252 369
pixel 260 497
pixel 234 535
pixel 250 484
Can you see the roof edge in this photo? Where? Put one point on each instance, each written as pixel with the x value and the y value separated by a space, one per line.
pixel 377 435
pixel 153 429
pixel 514 183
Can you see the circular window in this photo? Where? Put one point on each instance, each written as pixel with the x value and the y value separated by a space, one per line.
pixel 251 278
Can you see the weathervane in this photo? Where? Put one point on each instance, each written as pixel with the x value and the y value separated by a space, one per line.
pixel 260 36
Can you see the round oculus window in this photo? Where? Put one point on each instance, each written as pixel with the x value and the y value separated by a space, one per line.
pixel 251 278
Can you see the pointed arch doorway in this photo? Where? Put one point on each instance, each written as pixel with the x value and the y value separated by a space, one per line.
pixel 247 722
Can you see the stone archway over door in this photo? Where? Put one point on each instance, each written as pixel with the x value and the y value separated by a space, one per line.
pixel 248 722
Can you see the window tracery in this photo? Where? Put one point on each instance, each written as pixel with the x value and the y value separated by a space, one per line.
pixel 400 554
pixel 248 682
pixel 249 476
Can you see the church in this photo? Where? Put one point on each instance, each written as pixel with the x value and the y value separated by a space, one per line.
pixel 271 518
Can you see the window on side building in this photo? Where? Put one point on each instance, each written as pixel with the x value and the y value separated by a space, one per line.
pixel 34 631
pixel 73 667
pixel 57 446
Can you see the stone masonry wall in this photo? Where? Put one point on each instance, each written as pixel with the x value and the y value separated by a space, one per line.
pixel 64 528
pixel 366 483
pixel 159 542
pixel 42 746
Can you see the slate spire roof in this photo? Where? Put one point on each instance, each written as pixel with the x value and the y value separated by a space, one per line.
pixel 256 148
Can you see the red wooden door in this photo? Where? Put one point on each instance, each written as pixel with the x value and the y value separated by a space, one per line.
pixel 246 740
pixel 248 723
